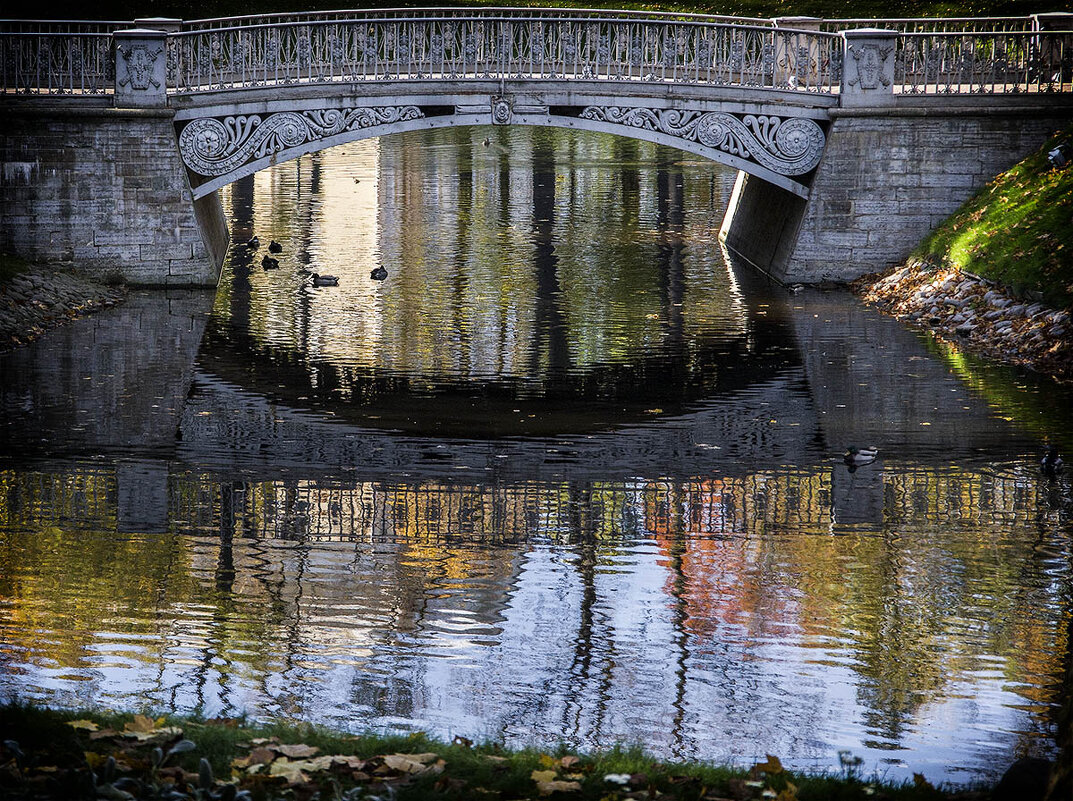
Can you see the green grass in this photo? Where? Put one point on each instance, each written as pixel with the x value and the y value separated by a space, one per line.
pixel 58 759
pixel 1018 230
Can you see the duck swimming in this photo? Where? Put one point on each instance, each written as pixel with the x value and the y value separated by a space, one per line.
pixel 1051 464
pixel 275 247
pixel 269 263
pixel 253 243
pixel 379 274
pixel 858 457
pixel 324 280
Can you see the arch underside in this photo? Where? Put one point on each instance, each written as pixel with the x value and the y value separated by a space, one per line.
pixel 219 145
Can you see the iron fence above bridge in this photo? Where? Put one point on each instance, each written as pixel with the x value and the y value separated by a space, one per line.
pixel 952 56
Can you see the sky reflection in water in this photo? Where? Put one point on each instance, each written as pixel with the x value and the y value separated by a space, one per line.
pixel 564 476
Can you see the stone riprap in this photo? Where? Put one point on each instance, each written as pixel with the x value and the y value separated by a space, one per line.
pixel 977 314
pixel 35 301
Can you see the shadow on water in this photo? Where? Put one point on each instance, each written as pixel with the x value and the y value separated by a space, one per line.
pixel 339 508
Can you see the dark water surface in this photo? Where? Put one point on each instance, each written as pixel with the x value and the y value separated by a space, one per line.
pixel 566 475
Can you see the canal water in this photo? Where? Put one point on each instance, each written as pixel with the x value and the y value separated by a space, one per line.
pixel 567 474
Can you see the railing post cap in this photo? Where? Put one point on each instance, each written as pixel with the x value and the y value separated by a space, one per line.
pixel 139 33
pixel 168 24
pixel 869 33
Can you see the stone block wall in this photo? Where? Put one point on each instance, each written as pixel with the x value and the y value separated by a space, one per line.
pixel 105 191
pixel 888 178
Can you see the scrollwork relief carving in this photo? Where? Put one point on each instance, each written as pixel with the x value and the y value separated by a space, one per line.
pixel 785 146
pixel 212 146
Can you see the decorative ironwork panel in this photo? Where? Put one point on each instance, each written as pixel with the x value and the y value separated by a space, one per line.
pixel 785 146
pixel 57 63
pixel 1040 61
pixel 496 46
pixel 213 146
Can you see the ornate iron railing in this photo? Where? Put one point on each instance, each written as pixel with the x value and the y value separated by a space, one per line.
pixel 934 24
pixel 62 25
pixel 615 48
pixel 41 57
pixel 461 11
pixel 993 63
pixel 57 63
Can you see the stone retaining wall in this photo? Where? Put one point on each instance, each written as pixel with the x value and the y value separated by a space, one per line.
pixel 105 189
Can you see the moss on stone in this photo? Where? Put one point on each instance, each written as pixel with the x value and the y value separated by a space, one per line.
pixel 1018 230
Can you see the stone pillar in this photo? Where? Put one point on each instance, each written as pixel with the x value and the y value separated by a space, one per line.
pixel 868 68
pixel 1050 46
pixel 797 55
pixel 140 70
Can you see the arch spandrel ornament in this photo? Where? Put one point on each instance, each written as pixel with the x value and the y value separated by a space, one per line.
pixel 779 148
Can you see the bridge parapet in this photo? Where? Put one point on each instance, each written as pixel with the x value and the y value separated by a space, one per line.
pixel 798 54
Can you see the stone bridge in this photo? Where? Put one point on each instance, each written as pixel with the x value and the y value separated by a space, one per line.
pixel 852 138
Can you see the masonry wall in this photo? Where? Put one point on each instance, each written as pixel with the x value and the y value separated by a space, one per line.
pixel 105 191
pixel 889 177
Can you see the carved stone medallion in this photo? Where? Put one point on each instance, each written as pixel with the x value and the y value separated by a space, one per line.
pixel 502 110
pixel 139 61
pixel 870 60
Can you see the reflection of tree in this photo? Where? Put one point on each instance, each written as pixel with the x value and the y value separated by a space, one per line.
pixel 550 352
pixel 967 567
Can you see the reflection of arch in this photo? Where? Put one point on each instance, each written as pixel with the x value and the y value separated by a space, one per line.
pixel 780 144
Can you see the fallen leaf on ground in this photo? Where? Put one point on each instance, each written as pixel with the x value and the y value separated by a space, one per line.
pixel 569 761
pixel 417 764
pixel 258 756
pixel 141 723
pixel 295 751
pixel 88 725
pixel 547 788
pixel 542 776
pixel 772 767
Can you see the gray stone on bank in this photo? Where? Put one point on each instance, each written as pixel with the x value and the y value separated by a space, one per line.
pixel 42 298
pixel 977 314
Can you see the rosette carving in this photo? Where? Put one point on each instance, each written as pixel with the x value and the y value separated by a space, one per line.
pixel 785 146
pixel 214 146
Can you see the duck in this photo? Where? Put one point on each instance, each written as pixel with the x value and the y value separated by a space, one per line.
pixel 487 142
pixel 379 274
pixel 275 247
pixel 269 263
pixel 855 457
pixel 324 280
pixel 1051 464
pixel 253 243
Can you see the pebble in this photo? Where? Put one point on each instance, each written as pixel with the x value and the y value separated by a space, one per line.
pixel 31 303
pixel 1003 327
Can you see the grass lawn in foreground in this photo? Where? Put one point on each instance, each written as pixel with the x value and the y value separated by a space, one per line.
pixel 92 754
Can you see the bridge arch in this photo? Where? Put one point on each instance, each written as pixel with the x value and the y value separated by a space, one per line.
pixel 221 142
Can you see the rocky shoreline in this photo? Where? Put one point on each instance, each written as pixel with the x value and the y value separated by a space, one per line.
pixel 975 314
pixel 35 301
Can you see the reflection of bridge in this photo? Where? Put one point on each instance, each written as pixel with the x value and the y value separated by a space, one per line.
pixel 850 144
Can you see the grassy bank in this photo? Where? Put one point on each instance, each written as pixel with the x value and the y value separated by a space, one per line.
pixel 66 754
pixel 1017 231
